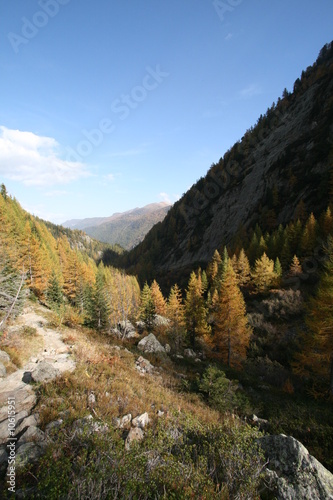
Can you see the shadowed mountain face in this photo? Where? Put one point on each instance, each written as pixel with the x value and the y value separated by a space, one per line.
pixel 126 229
pixel 281 167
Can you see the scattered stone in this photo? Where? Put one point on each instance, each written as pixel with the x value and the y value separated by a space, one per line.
pixel 292 472
pixel 197 360
pixel 143 365
pixel 189 353
pixel 32 420
pixel 135 434
pixel 261 423
pixel 55 424
pixel 141 420
pixel 3 371
pixel 160 413
pixel 4 357
pixel 179 356
pixel 125 421
pixel 32 434
pixel 27 378
pixel 140 325
pixel 167 348
pixel 115 347
pixel 28 453
pixel 150 344
pixel 89 425
pixel 44 372
pixel 161 321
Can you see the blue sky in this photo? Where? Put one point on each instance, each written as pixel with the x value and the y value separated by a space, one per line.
pixel 110 105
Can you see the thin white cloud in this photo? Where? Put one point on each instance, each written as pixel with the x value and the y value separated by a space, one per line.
pixel 35 160
pixel 170 199
pixel 56 192
pixel 228 37
pixel 250 91
pixel 109 177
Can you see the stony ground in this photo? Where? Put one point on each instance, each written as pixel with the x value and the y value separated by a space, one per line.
pixel 52 359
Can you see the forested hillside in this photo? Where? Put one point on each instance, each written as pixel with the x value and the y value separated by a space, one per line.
pixel 278 173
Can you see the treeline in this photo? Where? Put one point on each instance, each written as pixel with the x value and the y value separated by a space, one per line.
pixel 294 171
pixel 57 270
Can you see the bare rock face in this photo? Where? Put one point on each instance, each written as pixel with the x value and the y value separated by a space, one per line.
pixel 150 344
pixel 292 473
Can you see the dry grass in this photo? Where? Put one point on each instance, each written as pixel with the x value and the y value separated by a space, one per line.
pixel 21 344
pixel 119 388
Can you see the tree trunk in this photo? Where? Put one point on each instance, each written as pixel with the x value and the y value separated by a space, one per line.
pixel 331 377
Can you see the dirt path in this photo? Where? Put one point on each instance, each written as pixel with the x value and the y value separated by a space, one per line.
pixel 52 359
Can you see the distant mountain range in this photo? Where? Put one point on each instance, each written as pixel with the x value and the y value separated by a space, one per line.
pixel 127 229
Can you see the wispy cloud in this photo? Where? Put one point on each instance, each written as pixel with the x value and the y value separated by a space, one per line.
pixel 35 160
pixel 228 37
pixel 250 91
pixel 55 193
pixel 109 177
pixel 170 199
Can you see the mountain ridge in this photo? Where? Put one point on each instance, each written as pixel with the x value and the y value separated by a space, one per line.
pixel 126 229
pixel 281 164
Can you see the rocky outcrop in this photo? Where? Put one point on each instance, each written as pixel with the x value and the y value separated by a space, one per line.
pixel 150 344
pixel 124 330
pixel 292 473
pixel 143 365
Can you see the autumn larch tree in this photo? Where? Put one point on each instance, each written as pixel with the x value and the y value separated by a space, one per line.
pixel 263 274
pixel 158 299
pixel 231 332
pixel 320 323
pixel 176 316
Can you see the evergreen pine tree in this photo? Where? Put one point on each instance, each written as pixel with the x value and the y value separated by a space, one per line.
pixel 195 310
pixel 147 308
pixel 54 292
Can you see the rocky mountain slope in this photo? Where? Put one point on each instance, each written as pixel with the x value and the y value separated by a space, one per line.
pixel 281 167
pixel 126 229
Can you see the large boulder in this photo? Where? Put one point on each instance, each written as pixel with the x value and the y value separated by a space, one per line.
pixel 150 344
pixel 44 372
pixel 292 473
pixel 143 365
pixel 135 434
pixel 126 330
pixel 4 357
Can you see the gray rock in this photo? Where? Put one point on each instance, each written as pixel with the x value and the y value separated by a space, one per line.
pixel 53 425
pixel 150 344
pixel 32 434
pixel 32 420
pixel 292 473
pixel 167 348
pixel 135 434
pixel 125 421
pixel 4 357
pixel 141 420
pixel 28 453
pixel 189 353
pixel 161 321
pixel 44 372
pixel 261 423
pixel 3 371
pixel 126 330
pixel 89 425
pixel 26 377
pixel 140 325
pixel 143 365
